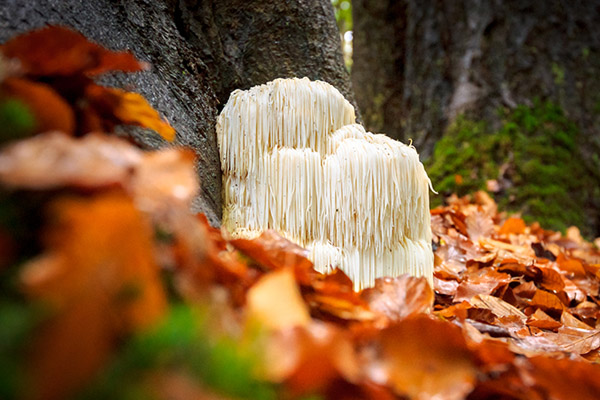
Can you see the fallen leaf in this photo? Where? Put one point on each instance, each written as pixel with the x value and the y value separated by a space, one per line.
pixel 445 287
pixel 512 226
pixel 577 340
pixel 158 180
pixel 333 295
pixel 479 224
pixel 273 251
pixel 59 51
pixel 310 358
pixel 541 320
pixel 163 180
pixel 399 297
pixel 554 379
pixel 526 290
pixel 551 280
pixel 275 301
pixel 427 359
pixel 547 301
pixel 480 281
pixel 570 321
pixel 51 111
pixel 499 307
pixel 92 161
pixel 127 108
pixel 99 277
pixel 571 266
pixel 460 311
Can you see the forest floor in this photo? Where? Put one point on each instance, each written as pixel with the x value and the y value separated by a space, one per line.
pixel 111 288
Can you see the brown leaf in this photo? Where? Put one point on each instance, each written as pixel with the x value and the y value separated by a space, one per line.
pixel 92 161
pixel 427 359
pixel 588 312
pixel 577 340
pixel 541 320
pixel 460 311
pixel 59 51
pixel 311 358
pixel 163 180
pixel 515 268
pixel 493 354
pixel 479 224
pixel 571 266
pixel 275 301
pixel 551 280
pixel 547 301
pixel 573 292
pixel 273 251
pixel 457 219
pixel 400 297
pixel 513 226
pixel 332 295
pixel 499 307
pixel 570 321
pixel 525 290
pixel 127 108
pixel 445 287
pixel 50 110
pixel 561 379
pixel 157 180
pixel 481 281
pixel 345 307
pixel 100 279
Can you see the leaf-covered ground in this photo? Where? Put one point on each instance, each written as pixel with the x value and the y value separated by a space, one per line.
pixel 110 288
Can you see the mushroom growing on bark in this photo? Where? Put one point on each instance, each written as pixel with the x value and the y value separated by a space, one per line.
pixel 294 160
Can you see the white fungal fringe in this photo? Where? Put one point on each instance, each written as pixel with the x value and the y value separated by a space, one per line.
pixel 293 160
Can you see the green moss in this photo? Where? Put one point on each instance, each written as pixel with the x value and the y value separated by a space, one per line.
pixel 16 120
pixel 535 158
pixel 559 74
pixel 182 344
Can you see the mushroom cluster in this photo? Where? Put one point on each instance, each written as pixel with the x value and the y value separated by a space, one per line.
pixel 294 160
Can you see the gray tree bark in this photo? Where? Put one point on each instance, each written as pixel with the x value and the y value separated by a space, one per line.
pixel 418 64
pixel 200 52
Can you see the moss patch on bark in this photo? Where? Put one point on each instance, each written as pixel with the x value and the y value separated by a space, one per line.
pixel 532 165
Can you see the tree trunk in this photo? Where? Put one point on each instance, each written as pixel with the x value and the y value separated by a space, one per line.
pixel 418 64
pixel 200 52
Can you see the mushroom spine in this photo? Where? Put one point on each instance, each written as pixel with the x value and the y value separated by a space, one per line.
pixel 294 160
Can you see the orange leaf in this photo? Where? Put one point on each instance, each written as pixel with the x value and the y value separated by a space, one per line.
pixel 541 320
pixel 482 281
pixel 479 224
pixel 310 358
pixel 427 359
pixel 127 108
pixel 59 51
pixel 561 379
pixel 547 301
pixel 91 161
pixel 399 297
pixel 158 180
pixel 275 301
pixel 51 111
pixel 100 279
pixel 333 295
pixel 572 266
pixel 551 280
pixel 273 251
pixel 513 225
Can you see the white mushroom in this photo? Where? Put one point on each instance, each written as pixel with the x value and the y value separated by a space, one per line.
pixel 294 160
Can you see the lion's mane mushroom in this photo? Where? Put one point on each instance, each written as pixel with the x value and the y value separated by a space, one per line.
pixel 294 160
